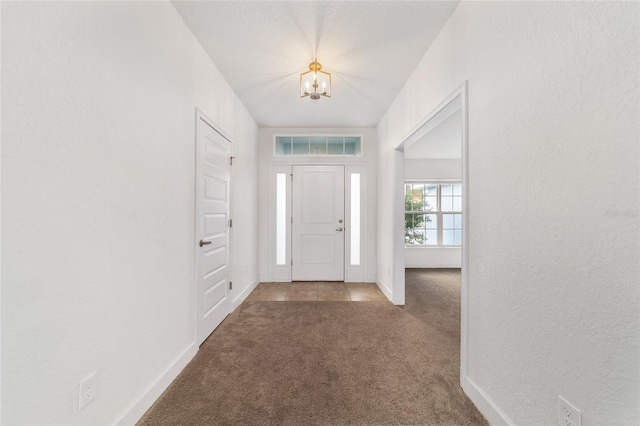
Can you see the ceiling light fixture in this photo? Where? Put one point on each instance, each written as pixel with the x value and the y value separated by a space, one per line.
pixel 315 82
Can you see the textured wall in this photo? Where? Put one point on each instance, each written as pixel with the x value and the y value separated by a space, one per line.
pixel 553 200
pixel 98 116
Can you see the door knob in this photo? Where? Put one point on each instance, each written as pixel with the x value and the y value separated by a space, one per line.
pixel 204 243
pixel 340 221
pixel 339 229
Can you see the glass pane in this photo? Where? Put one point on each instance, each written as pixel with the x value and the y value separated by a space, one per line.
pixel 431 190
pixel 457 220
pixel 430 203
pixel 430 221
pixel 413 200
pixel 335 146
pixel 431 238
pixel 281 218
pixel 457 204
pixel 355 218
pixel 410 231
pixel 447 221
pixel 318 145
pixel 283 145
pixel 447 204
pixel 300 145
pixel 447 189
pixel 352 145
pixel 457 189
pixel 448 237
pixel 457 237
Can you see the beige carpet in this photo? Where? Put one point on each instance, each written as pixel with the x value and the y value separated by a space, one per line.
pixel 329 363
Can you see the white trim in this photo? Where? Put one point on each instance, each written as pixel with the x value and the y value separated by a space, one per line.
pixel 242 296
pixel 397 273
pixel 485 404
pixel 463 92
pixel 140 406
pixel 458 99
pixel 385 289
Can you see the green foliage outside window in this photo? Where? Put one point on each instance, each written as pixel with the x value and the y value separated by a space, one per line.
pixel 414 223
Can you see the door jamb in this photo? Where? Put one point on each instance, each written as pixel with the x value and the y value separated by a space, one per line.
pixel 398 247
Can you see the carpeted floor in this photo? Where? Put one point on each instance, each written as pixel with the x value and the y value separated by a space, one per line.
pixel 329 363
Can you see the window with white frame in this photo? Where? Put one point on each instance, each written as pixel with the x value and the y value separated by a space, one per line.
pixel 432 213
pixel 287 145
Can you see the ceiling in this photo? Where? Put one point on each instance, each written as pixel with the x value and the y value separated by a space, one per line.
pixel 440 143
pixel 370 47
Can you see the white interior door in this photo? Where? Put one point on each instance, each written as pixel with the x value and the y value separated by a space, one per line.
pixel 318 223
pixel 212 259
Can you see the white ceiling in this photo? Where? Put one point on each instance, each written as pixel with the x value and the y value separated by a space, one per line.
pixel 370 47
pixel 442 142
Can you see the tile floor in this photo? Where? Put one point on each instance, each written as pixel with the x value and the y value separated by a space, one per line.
pixel 317 291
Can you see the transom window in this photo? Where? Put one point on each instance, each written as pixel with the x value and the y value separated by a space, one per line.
pixel 318 145
pixel 432 213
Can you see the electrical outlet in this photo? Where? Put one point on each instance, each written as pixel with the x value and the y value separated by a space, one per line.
pixel 88 390
pixel 568 415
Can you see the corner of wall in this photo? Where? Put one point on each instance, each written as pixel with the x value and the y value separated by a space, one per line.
pixel 485 404
pixel 245 293
pixel 140 406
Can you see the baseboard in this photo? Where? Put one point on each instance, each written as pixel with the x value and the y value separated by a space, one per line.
pixel 242 296
pixel 432 265
pixel 485 404
pixel 137 409
pixel 383 287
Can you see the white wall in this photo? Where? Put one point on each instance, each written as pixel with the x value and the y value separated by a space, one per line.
pixel 432 169
pixel 553 267
pixel 368 159
pixel 98 120
pixel 432 257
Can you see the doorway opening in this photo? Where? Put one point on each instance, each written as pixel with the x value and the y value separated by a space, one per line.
pixel 432 171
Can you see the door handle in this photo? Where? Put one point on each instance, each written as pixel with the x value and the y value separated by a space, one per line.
pixel 204 243
pixel 339 229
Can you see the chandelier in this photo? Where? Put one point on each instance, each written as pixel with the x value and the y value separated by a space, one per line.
pixel 315 82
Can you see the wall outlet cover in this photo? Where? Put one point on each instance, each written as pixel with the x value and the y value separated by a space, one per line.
pixel 568 415
pixel 88 390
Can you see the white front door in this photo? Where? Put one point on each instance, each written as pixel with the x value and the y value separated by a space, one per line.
pixel 318 223
pixel 212 250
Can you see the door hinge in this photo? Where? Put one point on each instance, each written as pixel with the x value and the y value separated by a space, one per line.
pixel 291 176
pixel 230 223
pixel 230 285
pixel 231 161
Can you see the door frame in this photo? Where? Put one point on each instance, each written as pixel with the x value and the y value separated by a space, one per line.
pixel 282 272
pixel 458 99
pixel 196 231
